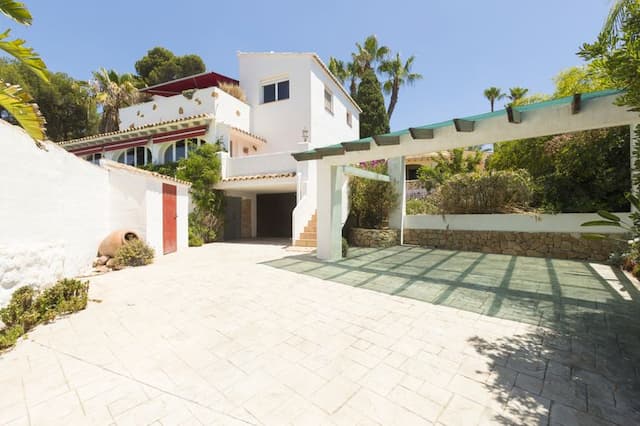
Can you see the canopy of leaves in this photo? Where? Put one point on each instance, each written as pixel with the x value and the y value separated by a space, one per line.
pixel 66 103
pixel 160 65
pixel 448 164
pixel 373 119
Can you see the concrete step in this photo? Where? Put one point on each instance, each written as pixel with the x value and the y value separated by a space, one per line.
pixel 310 229
pixel 309 235
pixel 305 243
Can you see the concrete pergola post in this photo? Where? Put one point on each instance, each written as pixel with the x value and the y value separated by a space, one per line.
pixel 330 181
pixel 396 170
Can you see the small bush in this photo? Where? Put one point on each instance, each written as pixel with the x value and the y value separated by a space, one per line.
pixel 345 247
pixel 498 192
pixel 234 90
pixel 195 240
pixel 134 253
pixel 428 205
pixel 28 308
pixel 202 228
pixel 372 200
pixel 10 335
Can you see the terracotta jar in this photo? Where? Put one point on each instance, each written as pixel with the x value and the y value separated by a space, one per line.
pixel 115 240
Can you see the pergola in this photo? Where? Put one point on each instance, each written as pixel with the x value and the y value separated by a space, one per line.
pixel 565 115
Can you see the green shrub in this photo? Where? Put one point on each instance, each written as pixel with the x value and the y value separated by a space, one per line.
pixel 10 335
pixel 28 308
pixel 372 200
pixel 202 227
pixel 195 240
pixel 428 205
pixel 498 192
pixel 134 253
pixel 345 247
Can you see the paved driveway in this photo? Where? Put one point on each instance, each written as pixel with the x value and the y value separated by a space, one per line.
pixel 224 334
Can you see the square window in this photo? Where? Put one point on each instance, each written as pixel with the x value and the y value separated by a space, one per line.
pixel 283 90
pixel 269 93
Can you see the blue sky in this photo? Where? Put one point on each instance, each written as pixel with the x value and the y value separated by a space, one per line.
pixel 461 47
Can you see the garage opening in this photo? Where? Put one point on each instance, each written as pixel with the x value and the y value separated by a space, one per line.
pixel 275 214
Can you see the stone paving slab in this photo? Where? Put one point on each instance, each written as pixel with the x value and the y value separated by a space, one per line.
pixel 225 334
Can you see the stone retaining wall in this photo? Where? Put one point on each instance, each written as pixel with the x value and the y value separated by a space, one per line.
pixel 538 244
pixel 361 237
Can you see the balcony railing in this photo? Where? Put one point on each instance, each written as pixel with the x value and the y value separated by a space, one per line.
pixel 279 162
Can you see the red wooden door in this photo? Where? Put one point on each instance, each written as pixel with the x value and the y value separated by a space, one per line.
pixel 169 215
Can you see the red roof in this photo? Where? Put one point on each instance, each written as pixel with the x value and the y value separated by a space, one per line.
pixel 198 81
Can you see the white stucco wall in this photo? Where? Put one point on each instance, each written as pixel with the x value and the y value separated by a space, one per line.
pixel 211 100
pixel 280 122
pixel 56 208
pixel 53 212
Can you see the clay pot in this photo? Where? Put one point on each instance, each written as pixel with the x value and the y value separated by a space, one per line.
pixel 115 240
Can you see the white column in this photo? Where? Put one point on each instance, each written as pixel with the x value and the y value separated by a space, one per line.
pixel 329 190
pixel 396 170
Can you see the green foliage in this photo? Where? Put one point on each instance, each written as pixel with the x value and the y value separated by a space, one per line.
pixel 201 229
pixel 66 103
pixel 615 53
pixel 428 205
pixel 160 65
pixel 583 79
pixel 345 247
pixel 373 119
pixel 398 73
pixel 134 253
pixel 202 169
pixel 481 192
pixel 516 94
pixel 113 91
pixel 372 200
pixel 493 94
pixel 562 167
pixel 167 169
pixel 28 308
pixel 448 164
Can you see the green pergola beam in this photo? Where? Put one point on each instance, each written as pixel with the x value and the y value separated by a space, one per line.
pixel 384 140
pixel 326 151
pixel 463 125
pixel 307 155
pixel 418 133
pixel 356 146
pixel 513 115
pixel 354 171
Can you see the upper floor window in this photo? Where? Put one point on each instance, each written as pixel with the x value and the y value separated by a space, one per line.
pixel 94 158
pixel 328 100
pixel 138 156
pixel 180 149
pixel 275 91
pixel 349 119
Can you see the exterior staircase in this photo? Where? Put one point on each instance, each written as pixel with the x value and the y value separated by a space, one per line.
pixel 308 238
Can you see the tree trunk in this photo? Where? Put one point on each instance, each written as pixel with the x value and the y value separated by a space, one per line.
pixel 393 100
pixel 492 101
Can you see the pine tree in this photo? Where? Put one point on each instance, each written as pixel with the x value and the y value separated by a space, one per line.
pixel 373 119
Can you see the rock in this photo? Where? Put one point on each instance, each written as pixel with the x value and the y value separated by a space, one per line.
pixel 101 269
pixel 101 260
pixel 111 263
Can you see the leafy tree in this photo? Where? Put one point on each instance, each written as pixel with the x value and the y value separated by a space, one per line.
pixel 373 119
pixel 516 94
pixel 583 79
pixel 448 164
pixel 369 55
pixel 160 65
pixel 202 169
pixel 66 104
pixel 398 74
pixel 338 69
pixel 13 99
pixel 616 51
pixel 493 94
pixel 113 91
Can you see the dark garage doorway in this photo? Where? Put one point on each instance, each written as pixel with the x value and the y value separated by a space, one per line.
pixel 274 214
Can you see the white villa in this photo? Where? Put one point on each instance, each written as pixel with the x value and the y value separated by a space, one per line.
pixel 293 103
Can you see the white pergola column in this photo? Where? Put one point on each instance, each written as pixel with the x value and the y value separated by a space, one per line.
pixel 396 170
pixel 329 235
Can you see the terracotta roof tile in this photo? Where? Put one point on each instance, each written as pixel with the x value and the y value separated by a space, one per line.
pixel 108 164
pixel 256 177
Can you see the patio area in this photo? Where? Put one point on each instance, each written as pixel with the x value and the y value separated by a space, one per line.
pixel 250 333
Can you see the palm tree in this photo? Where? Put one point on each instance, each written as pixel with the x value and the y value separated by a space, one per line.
pixel 516 94
pixel 12 98
pixel 399 74
pixel 338 69
pixel 113 91
pixel 493 94
pixel 612 26
pixel 369 54
pixel 355 71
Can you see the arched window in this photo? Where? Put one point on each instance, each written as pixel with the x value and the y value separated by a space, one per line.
pixel 180 149
pixel 138 156
pixel 94 158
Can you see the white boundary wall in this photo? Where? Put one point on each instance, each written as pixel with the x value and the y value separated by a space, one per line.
pixel 564 222
pixel 55 209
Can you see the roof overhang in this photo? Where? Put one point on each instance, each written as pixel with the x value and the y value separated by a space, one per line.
pixel 197 81
pixel 166 131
